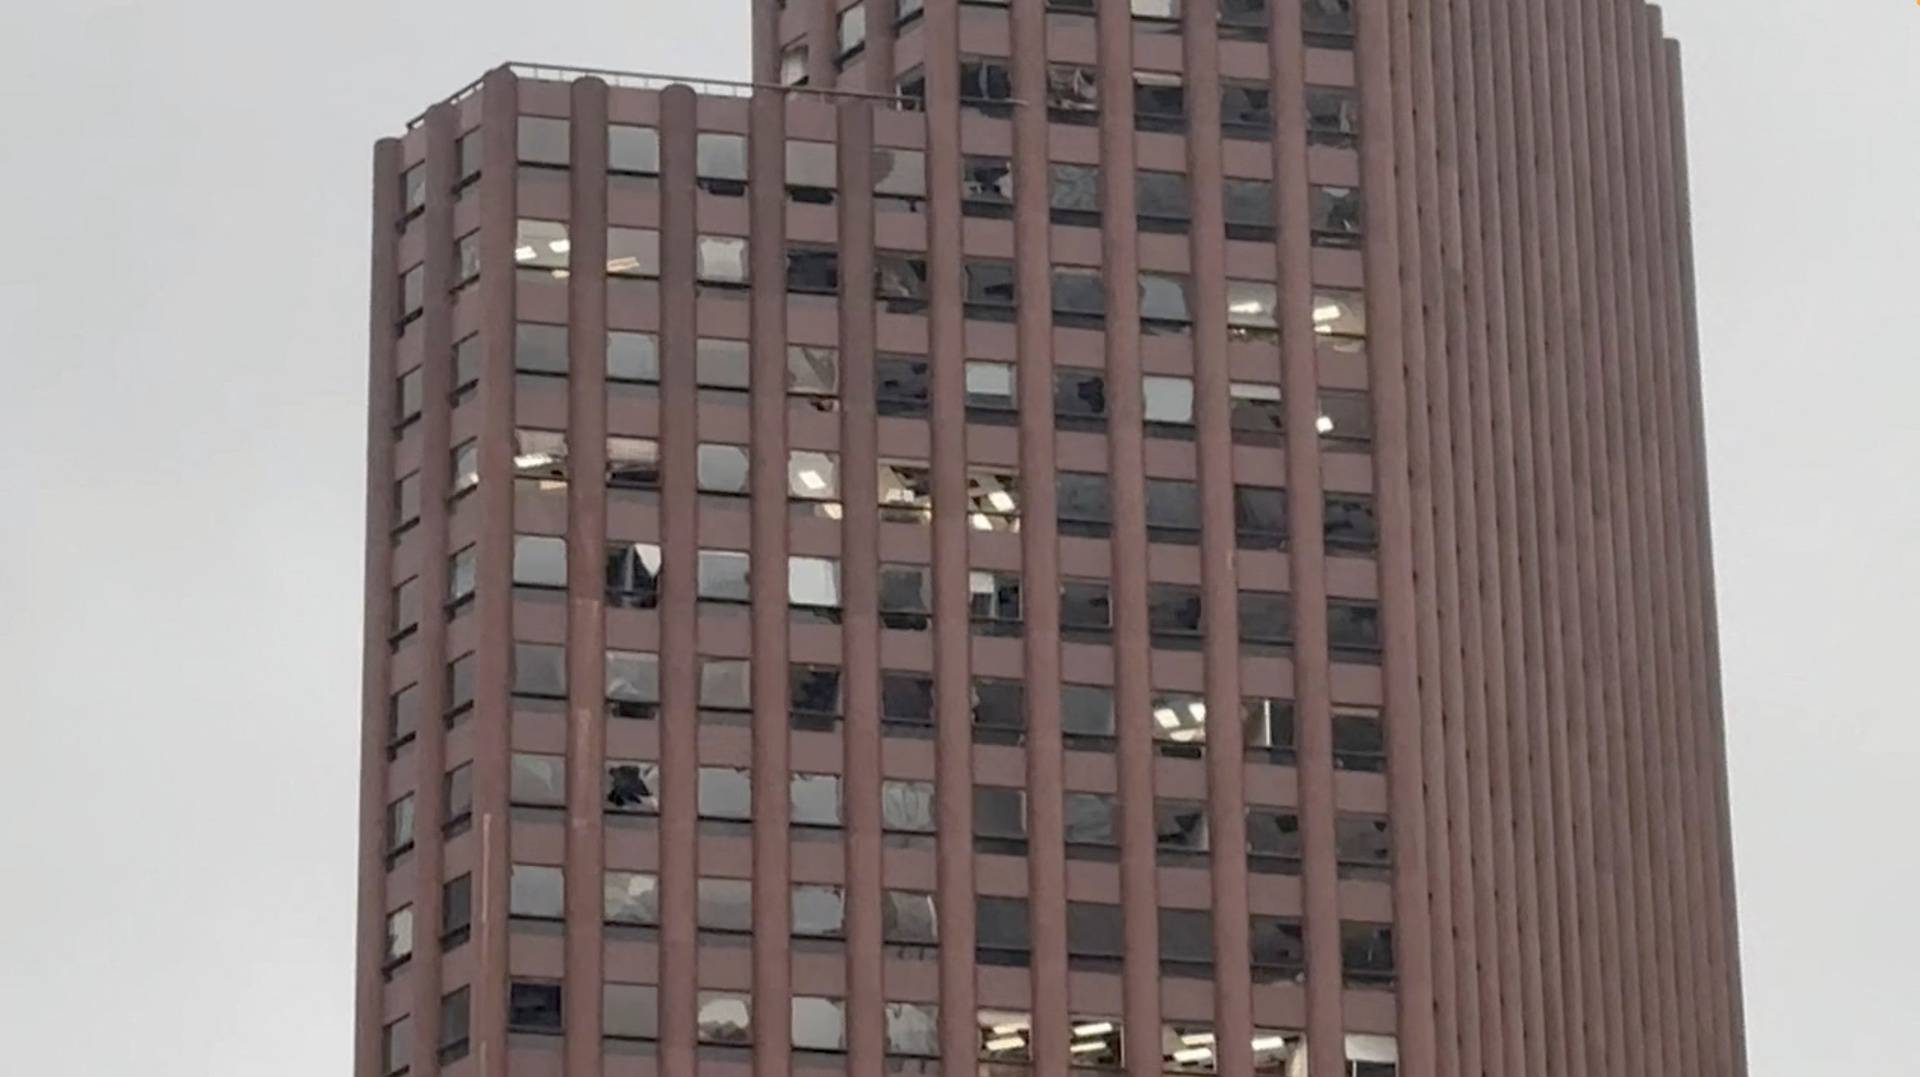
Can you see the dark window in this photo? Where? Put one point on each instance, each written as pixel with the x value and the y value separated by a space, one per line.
pixel 543 140
pixel 906 704
pixel 1268 725
pixel 1159 101
pixel 1359 739
pixel 1364 847
pixel 1249 209
pixel 1327 24
pixel 1366 954
pixel 1266 619
pixel 1350 523
pixel 1173 511
pixel 1333 116
pixel 1074 196
pixel 1073 93
pixel 633 575
pixel 1335 215
pixel 1079 297
pixel 1246 109
pixel 1346 421
pixel 910 90
pixel 1174 616
pixel 1260 517
pixel 1353 630
pixel 456 790
pixel 813 270
pixel 533 1006
pixel 993 600
pixel 990 289
pixel 999 711
pixel 1165 303
pixel 1089 827
pixel 987 85
pixel 1180 830
pixel 999 820
pixel 1186 943
pixel 906 597
pixel 1086 717
pixel 900 282
pixel 902 387
pixel 632 788
pixel 1273 841
pixel 459 685
pixel 1279 949
pixel 403 716
pixel 1096 936
pixel 1079 399
pixel 1086 610
pixel 1243 20
pixel 908 918
pixel 1257 416
pixel 471 151
pixel 1083 506
pixel 1002 935
pixel 466 365
pixel 456 911
pixel 813 696
pixel 986 187
pixel 540 670
pixel 454 1023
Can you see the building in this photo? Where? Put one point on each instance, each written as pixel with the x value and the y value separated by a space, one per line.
pixel 1049 538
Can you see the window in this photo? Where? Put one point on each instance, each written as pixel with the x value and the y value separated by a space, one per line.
pixel 818 912
pixel 1259 518
pixel 1086 610
pixel 999 820
pixel 813 270
pixel 1246 109
pixel 633 252
pixel 1249 209
pixel 454 1017
pixel 406 609
pixel 466 259
pixel 986 84
pixel 633 150
pixel 413 293
pixel 1164 13
pixel 413 190
pixel 1165 303
pixel 633 684
pixel 1334 213
pixel 1353 630
pixel 813 371
pixel 819 1024
pixel 852 31
pixel 410 397
pixel 906 807
pixel 399 826
pixel 1179 724
pixel 993 600
pixel 399 936
pixel 471 151
pixel 993 499
pixel 1359 739
pixel 1173 511
pixel 1279 949
pixel 1363 845
pixel 1257 416
pixel 990 289
pixel 814 800
pixel 1339 312
pixel 1268 725
pixel 908 918
pixel 540 455
pixel 899 178
pixel 1079 399
pixel 1243 20
pixel 633 788
pixel 1096 939
pixel 1159 99
pixel 1366 954
pixel 900 282
pixel 633 358
pixel 1002 934
pixel 1333 116
pixel 630 1012
pixel 1089 827
pixel 533 1006
pixel 1180 828
pixel 1266 620
pixel 906 597
pixel 813 696
pixel 542 246
pixel 466 366
pixel 722 365
pixel 1005 1037
pixel 537 892
pixel 793 65
pixel 720 163
pixel 1346 421
pixel 543 140
pixel 722 469
pixel 999 711
pixel 724 1018
pixel 986 186
pixel 902 387
pixel 1082 504
pixel 908 11
pixel 726 684
pixel 456 792
pixel 1186 943
pixel 1074 194
pixel 1174 618
pixel 1350 523
pixel 537 781
pixel 396 1045
pixel 724 576
pixel 459 686
pixel 633 575
pixel 1250 310
pixel 813 481
pixel 403 717
pixel 1087 717
pixel 1073 93
pixel 1079 297
pixel 456 911
pixel 540 670
pixel 1169 406
pixel 632 898
pixel 990 393
pixel 906 703
pixel 913 1029
pixel 721 261
pixel 812 171
pixel 540 561
pixel 910 89
pixel 1273 841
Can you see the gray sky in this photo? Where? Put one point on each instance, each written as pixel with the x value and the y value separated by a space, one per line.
pixel 184 351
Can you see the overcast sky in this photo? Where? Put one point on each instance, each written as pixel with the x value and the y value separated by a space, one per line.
pixel 185 198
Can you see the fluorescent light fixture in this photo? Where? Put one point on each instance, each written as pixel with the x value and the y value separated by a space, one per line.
pixel 1326 312
pixel 1324 424
pixel 524 254
pixel 1002 500
pixel 1006 1043
pixel 560 246
pixel 1096 1028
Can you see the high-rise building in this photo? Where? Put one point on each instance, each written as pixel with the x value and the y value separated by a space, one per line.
pixel 1049 538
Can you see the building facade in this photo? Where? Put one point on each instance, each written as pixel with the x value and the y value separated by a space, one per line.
pixel 1051 537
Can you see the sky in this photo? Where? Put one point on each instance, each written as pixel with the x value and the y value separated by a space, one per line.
pixel 184 360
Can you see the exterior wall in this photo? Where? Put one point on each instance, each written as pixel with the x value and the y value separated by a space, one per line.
pixel 1560 893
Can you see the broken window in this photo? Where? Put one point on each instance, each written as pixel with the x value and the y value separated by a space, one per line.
pixel 993 499
pixel 633 575
pixel 1279 949
pixel 1268 729
pixel 913 1030
pixel 1333 116
pixel 1346 421
pixel 1079 297
pixel 1243 20
pixel 907 918
pixel 902 387
pixel 1251 306
pixel 633 684
pixel 1259 518
pixel 906 597
pixel 813 696
pixel 991 289
pixel 632 897
pixel 813 371
pixel 906 703
pixel 1363 845
pixel 813 481
pixel 906 492
pixel 1366 954
pixel 1350 523
pixel 1073 93
pixel 1079 399
pixel 721 261
pixel 993 601
pixel 986 186
pixel 819 1024
pixel 1353 630
pixel 986 85
pixel 1274 843
pixel 540 455
pixel 633 788
pixel 1174 616
pixel 906 807
pixel 818 912
pixel 1334 214
pixel 1165 303
pixel 900 282
pixel 814 800
pixel 1246 109
pixel 720 163
pixel 1159 101
pixel 724 1018
pixel 1074 194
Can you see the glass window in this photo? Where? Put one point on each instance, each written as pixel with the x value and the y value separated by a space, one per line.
pixel 813 695
pixel 813 270
pixel 990 393
pixel 1074 194
pixel 460 684
pixel 814 800
pixel 539 561
pixel 1096 939
pixel 1174 615
pixel 633 788
pixel 456 791
pixel 456 911
pixel 1087 716
pixel 906 701
pixel 466 365
pixel 537 781
pixel 1268 725
pixel 1169 405
pixel 1273 841
pixel 413 190
pixel 533 1006
pixel 454 1016
pixel 633 252
pixel 818 912
pixel 1079 296
pixel 1005 1037
pixel 1082 504
pixel 1353 630
pixel 722 469
pixel 900 282
pixel 540 670
pixel 813 171
pixel 1086 610
pixel 907 918
pixel 633 683
pixel 1257 416
pixel 540 455
pixel 990 289
pixel 1346 421
pixel 999 819
pixel 986 84
pixel 403 716
pixel 1279 949
pixel 726 684
pixel 899 177
pixel 1359 739
pixel 542 245
pixel 722 364
pixel 725 793
pixel 724 1017
pixel 1180 829
pixel 1246 109
pixel 1366 954
pixel 396 1047
pixel 1266 617
pixel 1165 306
pixel 1250 310
pixel 906 597
pixel 1335 214
pixel 543 140
pixel 1249 209
pixel 913 1029
pixel 633 357
pixel 406 608
pixel 633 150
pixel 466 259
pixel 633 575
pixel 410 397
pixel 1333 116
pixel 1243 20
pixel 1079 399
pixel 1339 312
pixel 721 260
pixel 632 897
pixel 466 466
pixel 1363 845
pixel 630 1012
pixel 906 807
pixel 413 292
pixel 399 936
pixel 1159 98
pixel 999 711
pixel 724 576
pixel 537 892
pixel 902 388
pixel 1003 935
pixel 1350 523
pixel 993 600
pixel 986 186
pixel 1173 511
pixel 852 34
pixel 471 151
pixel 793 65
pixel 813 370
pixel 1179 723
pixel 1259 518
pixel 1186 944
pixel 1073 93
pixel 993 499
pixel 1089 826
pixel 813 476
pixel 819 1024
pixel 720 162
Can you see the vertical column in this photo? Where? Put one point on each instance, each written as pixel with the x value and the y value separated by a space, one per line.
pixel 881 35
pixel 860 616
pixel 1132 649
pixel 375 663
pixel 679 713
pixel 772 907
pixel 586 581
pixel 493 606
pixel 946 352
pixel 1384 117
